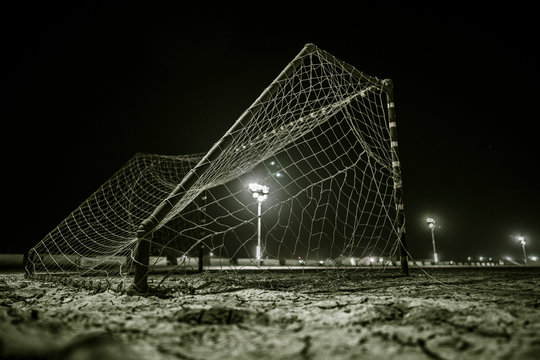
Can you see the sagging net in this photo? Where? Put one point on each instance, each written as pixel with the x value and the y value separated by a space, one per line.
pixel 318 139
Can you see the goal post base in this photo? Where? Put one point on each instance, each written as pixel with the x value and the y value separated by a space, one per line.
pixel 404 262
pixel 142 260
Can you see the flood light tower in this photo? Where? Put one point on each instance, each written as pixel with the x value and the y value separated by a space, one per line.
pixel 259 192
pixel 431 224
pixel 521 240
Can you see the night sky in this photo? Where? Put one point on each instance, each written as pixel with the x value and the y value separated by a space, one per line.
pixel 90 84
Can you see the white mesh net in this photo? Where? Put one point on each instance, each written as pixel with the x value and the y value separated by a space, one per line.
pixel 318 139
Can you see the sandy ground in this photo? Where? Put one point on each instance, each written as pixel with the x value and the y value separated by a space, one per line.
pixel 437 314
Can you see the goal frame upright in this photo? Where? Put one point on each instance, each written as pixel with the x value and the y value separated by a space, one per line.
pixel 388 87
pixel 148 226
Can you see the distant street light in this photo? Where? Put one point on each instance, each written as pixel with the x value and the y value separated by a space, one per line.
pixel 431 224
pixel 522 242
pixel 259 192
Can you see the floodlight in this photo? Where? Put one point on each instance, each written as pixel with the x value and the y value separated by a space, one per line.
pixel 259 192
pixel 431 224
pixel 521 240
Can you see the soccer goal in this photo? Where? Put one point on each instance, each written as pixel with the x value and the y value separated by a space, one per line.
pixel 307 176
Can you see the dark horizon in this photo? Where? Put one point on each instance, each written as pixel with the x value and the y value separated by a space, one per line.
pixel 91 85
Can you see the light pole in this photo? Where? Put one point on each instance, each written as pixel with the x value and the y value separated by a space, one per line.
pixel 259 192
pixel 522 242
pixel 431 223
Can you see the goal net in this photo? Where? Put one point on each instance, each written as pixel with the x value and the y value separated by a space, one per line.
pixel 308 175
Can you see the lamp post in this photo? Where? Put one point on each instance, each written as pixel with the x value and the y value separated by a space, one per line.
pixel 522 242
pixel 259 192
pixel 431 224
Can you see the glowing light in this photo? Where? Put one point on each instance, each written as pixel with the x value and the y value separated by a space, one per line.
pixel 258 191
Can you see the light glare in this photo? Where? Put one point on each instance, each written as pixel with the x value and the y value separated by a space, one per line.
pixel 259 191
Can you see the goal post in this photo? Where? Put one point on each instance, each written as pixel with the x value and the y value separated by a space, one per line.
pixel 396 173
pixel 319 144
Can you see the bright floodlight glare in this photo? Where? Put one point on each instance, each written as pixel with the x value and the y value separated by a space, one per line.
pixel 258 191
